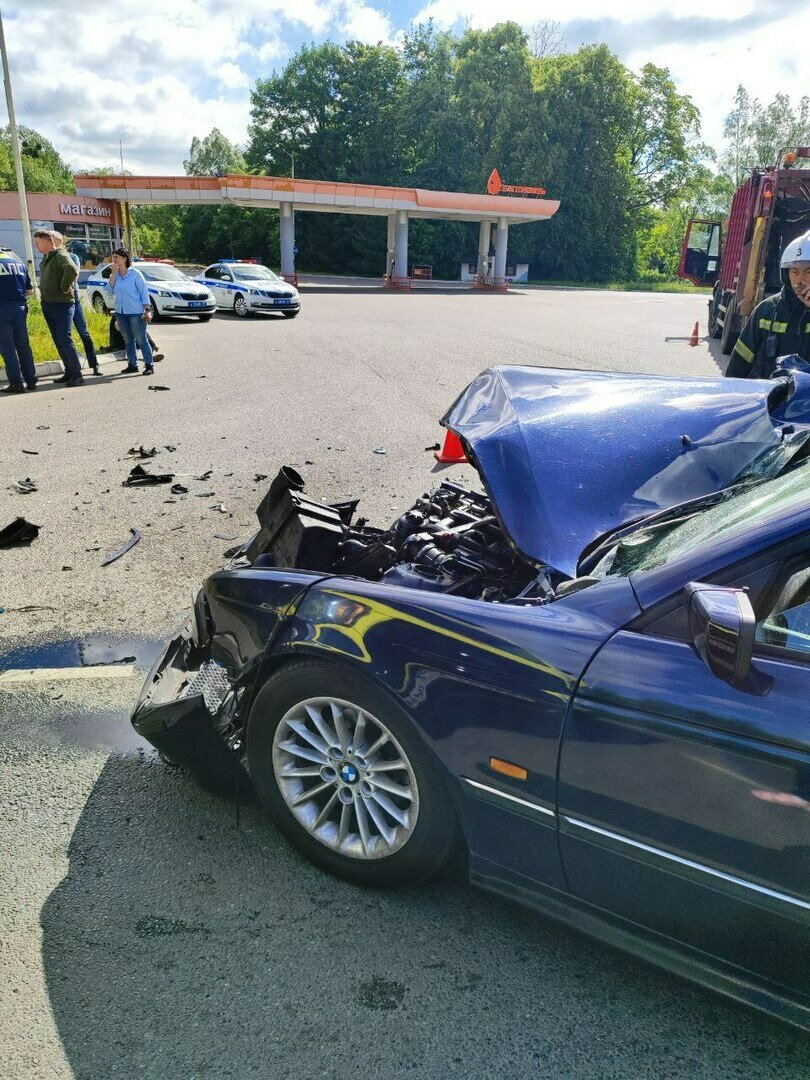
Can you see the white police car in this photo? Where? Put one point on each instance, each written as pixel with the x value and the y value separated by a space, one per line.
pixel 248 287
pixel 171 292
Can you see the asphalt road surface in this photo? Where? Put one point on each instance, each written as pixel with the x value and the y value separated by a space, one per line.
pixel 149 929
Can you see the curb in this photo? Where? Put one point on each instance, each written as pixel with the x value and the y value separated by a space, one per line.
pixel 50 367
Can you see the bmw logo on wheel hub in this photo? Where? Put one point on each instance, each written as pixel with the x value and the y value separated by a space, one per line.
pixel 349 773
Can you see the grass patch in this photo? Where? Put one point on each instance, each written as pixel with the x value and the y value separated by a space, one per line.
pixel 642 285
pixel 40 336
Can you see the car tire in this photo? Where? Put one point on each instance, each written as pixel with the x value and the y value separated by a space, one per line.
pixel 97 302
pixel 728 337
pixel 290 314
pixel 206 318
pixel 155 312
pixel 240 306
pixel 372 836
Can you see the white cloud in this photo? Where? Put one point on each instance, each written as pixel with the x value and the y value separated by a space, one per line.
pixel 232 76
pixel 361 22
pixel 483 14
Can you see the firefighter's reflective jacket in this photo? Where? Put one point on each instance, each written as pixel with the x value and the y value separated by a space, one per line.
pixel 778 326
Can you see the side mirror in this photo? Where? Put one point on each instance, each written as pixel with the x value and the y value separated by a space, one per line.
pixel 722 624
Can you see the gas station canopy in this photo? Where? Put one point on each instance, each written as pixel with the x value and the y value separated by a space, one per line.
pixel 323 195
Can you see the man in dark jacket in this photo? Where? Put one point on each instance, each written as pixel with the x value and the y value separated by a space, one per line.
pixel 15 348
pixel 57 277
pixel 778 325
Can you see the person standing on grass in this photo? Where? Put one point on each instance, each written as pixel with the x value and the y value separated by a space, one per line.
pixel 80 322
pixel 15 348
pixel 57 277
pixel 132 310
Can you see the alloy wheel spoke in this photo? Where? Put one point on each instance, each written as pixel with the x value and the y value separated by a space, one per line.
pixel 303 732
pixel 340 726
pixel 303 771
pixel 310 793
pixel 359 731
pixel 393 811
pixel 345 819
pixel 385 784
pixel 329 735
pixel 324 814
pixel 382 826
pixel 308 753
pixel 362 824
pixel 377 745
pixel 388 766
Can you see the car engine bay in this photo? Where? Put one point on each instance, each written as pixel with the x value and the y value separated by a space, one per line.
pixel 449 541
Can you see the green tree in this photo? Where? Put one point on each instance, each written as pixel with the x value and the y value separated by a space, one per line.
pixel 43 168
pixel 214 155
pixel 755 134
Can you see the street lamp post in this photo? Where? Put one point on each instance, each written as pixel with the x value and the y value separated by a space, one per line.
pixel 15 149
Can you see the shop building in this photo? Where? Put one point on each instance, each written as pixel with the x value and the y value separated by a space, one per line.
pixel 91 227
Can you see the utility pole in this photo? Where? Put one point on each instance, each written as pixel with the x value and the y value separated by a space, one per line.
pixel 15 149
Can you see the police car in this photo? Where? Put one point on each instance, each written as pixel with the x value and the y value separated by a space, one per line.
pixel 248 287
pixel 171 292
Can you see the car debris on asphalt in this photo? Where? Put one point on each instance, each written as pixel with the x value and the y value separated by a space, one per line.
pixel 34 452
pixel 179 489
pixel 139 477
pixel 23 487
pixel 153 387
pixel 142 452
pixel 133 540
pixel 19 533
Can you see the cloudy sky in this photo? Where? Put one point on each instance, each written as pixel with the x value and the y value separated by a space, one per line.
pixel 153 75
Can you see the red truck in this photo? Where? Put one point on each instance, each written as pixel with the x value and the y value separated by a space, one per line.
pixel 769 210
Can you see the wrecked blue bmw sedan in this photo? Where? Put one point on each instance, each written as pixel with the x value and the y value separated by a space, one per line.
pixel 590 672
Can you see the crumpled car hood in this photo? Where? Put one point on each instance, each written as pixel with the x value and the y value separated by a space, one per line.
pixel 566 455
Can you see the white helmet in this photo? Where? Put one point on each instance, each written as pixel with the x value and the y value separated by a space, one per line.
pixel 797 252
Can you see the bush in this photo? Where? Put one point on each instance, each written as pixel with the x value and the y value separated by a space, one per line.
pixel 41 342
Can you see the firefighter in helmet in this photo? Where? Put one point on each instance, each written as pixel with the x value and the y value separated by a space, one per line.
pixel 779 325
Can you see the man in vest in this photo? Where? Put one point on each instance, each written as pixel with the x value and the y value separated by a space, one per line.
pixel 15 348
pixel 779 325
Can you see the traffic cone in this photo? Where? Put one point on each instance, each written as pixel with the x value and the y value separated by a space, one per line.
pixel 452 453
pixel 693 340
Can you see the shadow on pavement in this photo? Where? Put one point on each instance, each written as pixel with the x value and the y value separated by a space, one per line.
pixel 178 946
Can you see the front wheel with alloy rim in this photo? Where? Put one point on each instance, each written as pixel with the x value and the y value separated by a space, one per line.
pixel 240 306
pixel 346 778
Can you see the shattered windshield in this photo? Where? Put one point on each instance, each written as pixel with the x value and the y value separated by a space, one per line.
pixel 739 508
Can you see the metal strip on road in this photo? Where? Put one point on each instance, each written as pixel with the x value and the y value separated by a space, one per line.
pixel 38 675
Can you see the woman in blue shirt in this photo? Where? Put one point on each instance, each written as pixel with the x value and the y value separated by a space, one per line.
pixel 132 310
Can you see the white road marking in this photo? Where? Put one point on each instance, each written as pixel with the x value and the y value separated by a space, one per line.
pixel 62 674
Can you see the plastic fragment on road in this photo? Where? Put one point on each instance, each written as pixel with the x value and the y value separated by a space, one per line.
pixel 380 450
pixel 139 477
pixel 153 387
pixel 179 489
pixel 34 452
pixel 133 540
pixel 24 487
pixel 219 507
pixel 204 476
pixel 142 452
pixel 19 533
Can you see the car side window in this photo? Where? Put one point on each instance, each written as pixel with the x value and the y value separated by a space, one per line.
pixel 106 273
pixel 212 272
pixel 786 625
pixel 673 622
pixel 226 275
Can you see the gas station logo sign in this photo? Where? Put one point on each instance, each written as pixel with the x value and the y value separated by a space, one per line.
pixel 495 186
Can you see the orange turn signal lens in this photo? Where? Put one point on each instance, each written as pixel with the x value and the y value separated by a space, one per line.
pixel 517 772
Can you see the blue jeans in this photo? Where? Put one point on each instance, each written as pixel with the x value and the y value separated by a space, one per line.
pixel 80 323
pixel 15 348
pixel 59 317
pixel 133 328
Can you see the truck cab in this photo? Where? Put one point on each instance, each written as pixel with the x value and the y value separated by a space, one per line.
pixel 769 210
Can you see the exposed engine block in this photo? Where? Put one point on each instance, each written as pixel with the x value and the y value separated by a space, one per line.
pixel 449 541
